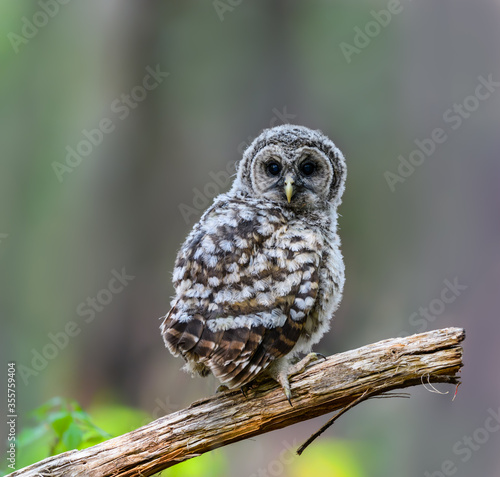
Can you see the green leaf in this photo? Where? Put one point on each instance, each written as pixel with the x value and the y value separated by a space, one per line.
pixel 96 433
pixel 89 441
pixel 55 415
pixel 72 437
pixel 81 416
pixel 76 405
pixel 29 435
pixel 61 423
pixel 41 413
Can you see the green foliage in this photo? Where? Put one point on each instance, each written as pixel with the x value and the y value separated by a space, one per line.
pixel 118 419
pixel 61 424
pixel 329 457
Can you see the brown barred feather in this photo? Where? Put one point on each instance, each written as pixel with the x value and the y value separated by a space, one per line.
pixel 191 334
pixel 207 344
pixel 231 345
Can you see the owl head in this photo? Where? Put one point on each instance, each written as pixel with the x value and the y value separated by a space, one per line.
pixel 293 166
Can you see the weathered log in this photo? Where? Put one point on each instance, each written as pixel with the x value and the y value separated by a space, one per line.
pixel 326 386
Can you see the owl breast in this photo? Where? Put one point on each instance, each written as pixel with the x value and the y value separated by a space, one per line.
pixel 331 285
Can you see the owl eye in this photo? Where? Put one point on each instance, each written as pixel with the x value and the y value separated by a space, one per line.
pixel 308 168
pixel 273 168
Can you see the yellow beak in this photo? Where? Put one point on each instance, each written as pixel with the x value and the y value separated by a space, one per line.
pixel 289 191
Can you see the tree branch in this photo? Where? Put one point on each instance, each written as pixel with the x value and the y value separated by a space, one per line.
pixel 329 385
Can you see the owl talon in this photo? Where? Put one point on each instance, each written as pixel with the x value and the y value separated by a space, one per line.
pixel 222 388
pixel 288 395
pixel 244 390
pixel 301 366
pixel 282 379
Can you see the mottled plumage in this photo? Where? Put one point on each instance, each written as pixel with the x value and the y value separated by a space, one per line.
pixel 260 275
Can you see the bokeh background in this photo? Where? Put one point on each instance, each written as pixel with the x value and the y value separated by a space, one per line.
pixel 235 67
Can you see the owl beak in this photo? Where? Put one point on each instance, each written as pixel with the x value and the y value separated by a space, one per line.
pixel 289 189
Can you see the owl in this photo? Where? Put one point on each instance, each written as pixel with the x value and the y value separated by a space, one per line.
pixel 260 275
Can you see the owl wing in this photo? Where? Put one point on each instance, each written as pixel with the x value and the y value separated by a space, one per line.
pixel 246 281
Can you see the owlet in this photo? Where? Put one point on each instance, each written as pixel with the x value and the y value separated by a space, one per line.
pixel 260 275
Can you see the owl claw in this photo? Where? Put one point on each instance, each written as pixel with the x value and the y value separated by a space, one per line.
pixel 301 366
pixel 222 388
pixel 244 390
pixel 282 375
pixel 288 395
pixel 282 379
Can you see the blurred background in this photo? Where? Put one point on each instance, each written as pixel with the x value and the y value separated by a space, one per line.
pixel 121 120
